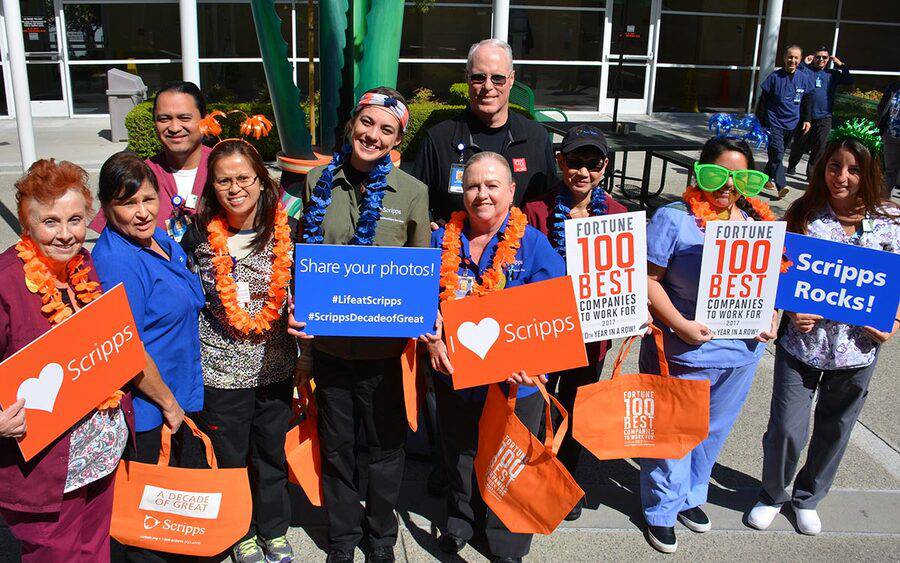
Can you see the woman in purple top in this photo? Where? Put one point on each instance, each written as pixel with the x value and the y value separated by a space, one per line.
pixel 58 504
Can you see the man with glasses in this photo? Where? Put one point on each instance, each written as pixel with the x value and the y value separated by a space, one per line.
pixel 820 106
pixel 486 125
pixel 779 111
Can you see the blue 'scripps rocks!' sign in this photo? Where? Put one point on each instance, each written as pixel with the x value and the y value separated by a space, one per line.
pixel 841 282
pixel 366 290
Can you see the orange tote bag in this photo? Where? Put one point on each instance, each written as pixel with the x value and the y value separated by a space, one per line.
pixel 413 384
pixel 177 510
pixel 301 447
pixel 519 477
pixel 642 415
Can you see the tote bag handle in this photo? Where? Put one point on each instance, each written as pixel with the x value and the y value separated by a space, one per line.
pixel 660 351
pixel 552 441
pixel 305 403
pixel 165 444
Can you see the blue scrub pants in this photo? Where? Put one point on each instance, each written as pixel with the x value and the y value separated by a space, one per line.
pixel 778 140
pixel 669 486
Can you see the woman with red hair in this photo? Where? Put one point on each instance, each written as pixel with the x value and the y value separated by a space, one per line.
pixel 58 504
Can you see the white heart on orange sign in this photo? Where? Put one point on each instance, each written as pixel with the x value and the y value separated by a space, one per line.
pixel 40 392
pixel 479 337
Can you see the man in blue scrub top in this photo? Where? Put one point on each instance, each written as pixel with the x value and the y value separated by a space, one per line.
pixel 779 111
pixel 826 80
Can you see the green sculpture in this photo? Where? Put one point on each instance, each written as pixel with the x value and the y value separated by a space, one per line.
pixel 359 47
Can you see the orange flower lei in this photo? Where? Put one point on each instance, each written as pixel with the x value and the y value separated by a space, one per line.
pixel 703 212
pixel 237 317
pixel 503 257
pixel 39 279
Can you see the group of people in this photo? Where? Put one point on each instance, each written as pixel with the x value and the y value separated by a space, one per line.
pixel 214 313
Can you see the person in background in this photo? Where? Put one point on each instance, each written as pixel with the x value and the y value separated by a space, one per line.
pixel 242 239
pixel 582 159
pixel 825 83
pixel 782 109
pixel 816 357
pixel 165 299
pixel 889 124
pixel 361 199
pixel 675 489
pixel 58 504
pixel 487 124
pixel 491 240
pixel 180 168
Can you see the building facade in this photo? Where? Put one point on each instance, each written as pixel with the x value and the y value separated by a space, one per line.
pixel 678 55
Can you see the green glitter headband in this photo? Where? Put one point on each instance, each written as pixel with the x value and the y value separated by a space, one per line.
pixel 863 130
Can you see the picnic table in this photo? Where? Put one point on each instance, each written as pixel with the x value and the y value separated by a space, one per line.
pixel 655 143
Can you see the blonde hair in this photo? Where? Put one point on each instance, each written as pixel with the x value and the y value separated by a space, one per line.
pixel 487 155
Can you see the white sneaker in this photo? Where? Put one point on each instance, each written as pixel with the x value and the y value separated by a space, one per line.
pixel 808 521
pixel 762 515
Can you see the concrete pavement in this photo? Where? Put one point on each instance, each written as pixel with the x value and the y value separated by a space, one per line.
pixel 859 516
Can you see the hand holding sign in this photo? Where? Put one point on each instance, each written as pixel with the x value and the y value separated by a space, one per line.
pixel 12 420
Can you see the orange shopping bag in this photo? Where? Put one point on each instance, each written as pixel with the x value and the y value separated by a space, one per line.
pixel 178 510
pixel 301 447
pixel 413 384
pixel 520 478
pixel 642 415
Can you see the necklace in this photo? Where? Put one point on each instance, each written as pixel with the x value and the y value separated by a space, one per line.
pixel 504 255
pixel 40 279
pixel 237 317
pixel 563 210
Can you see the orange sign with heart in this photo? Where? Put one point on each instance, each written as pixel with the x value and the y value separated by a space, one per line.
pixel 68 371
pixel 533 327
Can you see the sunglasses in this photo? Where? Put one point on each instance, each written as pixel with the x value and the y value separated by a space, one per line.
pixel 820 57
pixel 592 164
pixel 711 177
pixel 481 78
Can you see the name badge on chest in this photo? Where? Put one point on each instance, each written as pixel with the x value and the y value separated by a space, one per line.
pixel 192 201
pixel 466 283
pixel 243 293
pixel 456 178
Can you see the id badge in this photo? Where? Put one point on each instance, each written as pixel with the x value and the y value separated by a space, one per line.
pixel 243 293
pixel 192 201
pixel 818 82
pixel 868 225
pixel 176 226
pixel 798 95
pixel 456 177
pixel 466 283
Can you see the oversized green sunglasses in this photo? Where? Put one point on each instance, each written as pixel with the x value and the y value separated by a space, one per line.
pixel 711 177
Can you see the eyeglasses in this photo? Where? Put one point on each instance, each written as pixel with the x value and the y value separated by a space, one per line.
pixel 496 79
pixel 241 181
pixel 592 164
pixel 711 177
pixel 820 57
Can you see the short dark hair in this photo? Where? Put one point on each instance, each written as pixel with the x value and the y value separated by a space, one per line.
pixel 121 177
pixel 182 87
pixel 822 48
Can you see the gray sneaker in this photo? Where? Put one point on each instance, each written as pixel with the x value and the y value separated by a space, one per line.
pixel 278 550
pixel 248 551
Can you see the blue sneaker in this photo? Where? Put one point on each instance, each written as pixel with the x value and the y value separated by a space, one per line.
pixel 277 550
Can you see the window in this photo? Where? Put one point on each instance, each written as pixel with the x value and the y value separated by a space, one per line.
pixel 556 34
pixel 122 31
pixel 227 30
pixel 436 77
pixel 826 9
pixel 864 46
pixel 89 83
pixel 234 82
pixel 807 34
pixel 706 40
pixel 562 86
pixel 692 90
pixel 443 32
pixel 874 10
pixel 721 6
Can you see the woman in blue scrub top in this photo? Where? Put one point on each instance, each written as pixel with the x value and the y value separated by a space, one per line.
pixel 490 227
pixel 675 488
pixel 165 299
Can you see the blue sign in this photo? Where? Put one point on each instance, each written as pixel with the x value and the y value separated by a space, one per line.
pixel 366 290
pixel 841 282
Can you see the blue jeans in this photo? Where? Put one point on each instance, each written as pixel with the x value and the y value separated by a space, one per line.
pixel 778 140
pixel 669 486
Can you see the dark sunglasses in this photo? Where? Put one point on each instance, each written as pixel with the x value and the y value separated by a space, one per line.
pixel 481 78
pixel 592 164
pixel 820 57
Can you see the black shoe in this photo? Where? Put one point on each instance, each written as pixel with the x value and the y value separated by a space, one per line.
pixel 506 560
pixel 695 519
pixel 575 514
pixel 662 538
pixel 436 483
pixel 451 544
pixel 381 554
pixel 792 171
pixel 339 556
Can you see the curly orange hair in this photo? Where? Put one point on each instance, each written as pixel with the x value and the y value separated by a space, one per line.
pixel 46 181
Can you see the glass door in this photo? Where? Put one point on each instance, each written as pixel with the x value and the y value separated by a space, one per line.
pixel 628 55
pixel 43 58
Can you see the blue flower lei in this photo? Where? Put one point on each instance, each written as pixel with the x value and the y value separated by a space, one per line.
pixel 371 208
pixel 562 211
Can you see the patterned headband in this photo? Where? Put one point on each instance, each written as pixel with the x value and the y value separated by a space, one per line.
pixel 389 103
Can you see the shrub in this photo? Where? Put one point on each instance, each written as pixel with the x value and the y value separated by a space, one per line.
pixel 459 94
pixel 850 106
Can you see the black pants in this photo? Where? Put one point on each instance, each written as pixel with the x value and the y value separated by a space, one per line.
pixel 813 142
pixel 247 429
pixel 564 385
pixel 349 394
pixel 187 451
pixel 10 548
pixel 842 394
pixel 466 511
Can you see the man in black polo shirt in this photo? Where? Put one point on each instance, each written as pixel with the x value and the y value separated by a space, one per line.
pixel 486 125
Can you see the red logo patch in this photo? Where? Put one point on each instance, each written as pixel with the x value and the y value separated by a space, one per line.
pixel 519 165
